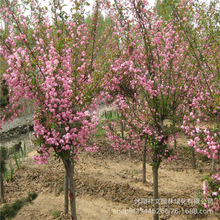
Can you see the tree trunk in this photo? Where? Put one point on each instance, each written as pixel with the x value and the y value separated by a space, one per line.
pixel 193 158
pixel 66 189
pixel 69 166
pixel 175 143
pixel 2 200
pixel 156 203
pixel 122 130
pixel 129 151
pixel 144 164
pixel 156 164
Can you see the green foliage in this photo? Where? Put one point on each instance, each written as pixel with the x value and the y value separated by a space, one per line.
pixel 211 187
pixel 60 189
pixel 11 171
pixel 158 148
pixel 164 8
pixel 23 153
pixel 10 211
pixel 187 149
pixel 4 155
pixel 213 183
pixel 9 176
pixel 100 132
pixel 104 22
pixel 111 115
pixel 56 213
pixel 19 156
pixel 17 159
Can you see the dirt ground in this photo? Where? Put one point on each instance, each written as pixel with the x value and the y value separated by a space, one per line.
pixel 109 186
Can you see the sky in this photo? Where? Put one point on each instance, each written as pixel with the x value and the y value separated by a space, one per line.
pixel 151 3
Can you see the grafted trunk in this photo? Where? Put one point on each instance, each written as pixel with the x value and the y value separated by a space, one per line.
pixel 193 158
pixel 66 190
pixel 156 164
pixel 175 143
pixel 156 196
pixel 122 130
pixel 69 167
pixel 144 164
pixel 130 152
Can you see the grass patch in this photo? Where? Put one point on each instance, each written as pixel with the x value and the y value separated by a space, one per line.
pixel 10 211
pixel 56 213
pixel 110 116
pixel 100 132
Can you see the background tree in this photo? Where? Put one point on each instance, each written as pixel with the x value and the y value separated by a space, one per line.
pixel 164 8
pixel 158 79
pixel 59 67
pixel 204 42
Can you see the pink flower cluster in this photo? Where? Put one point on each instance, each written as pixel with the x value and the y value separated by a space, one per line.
pixel 55 67
pixel 204 139
pixel 211 189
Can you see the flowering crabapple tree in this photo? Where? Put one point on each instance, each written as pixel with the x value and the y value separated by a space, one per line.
pixel 204 137
pixel 153 79
pixel 52 58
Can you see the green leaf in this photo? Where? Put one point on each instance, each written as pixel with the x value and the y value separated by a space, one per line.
pixel 61 44
pixel 33 81
pixel 53 126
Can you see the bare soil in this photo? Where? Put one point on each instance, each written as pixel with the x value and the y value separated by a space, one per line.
pixel 109 186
